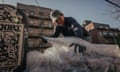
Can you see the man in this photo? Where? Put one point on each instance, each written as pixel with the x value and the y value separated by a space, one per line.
pixel 68 26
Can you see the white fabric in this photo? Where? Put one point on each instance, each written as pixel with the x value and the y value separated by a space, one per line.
pixel 60 56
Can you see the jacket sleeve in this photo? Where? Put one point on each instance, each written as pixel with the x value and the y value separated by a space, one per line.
pixel 57 32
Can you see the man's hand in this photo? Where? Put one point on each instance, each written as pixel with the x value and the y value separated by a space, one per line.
pixel 44 40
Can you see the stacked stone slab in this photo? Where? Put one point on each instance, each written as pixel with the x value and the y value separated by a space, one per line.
pixel 12 52
pixel 38 23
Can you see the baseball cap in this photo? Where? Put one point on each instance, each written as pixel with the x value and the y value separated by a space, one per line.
pixel 55 14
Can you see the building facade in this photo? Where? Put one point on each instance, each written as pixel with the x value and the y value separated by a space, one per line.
pixel 38 23
pixel 101 33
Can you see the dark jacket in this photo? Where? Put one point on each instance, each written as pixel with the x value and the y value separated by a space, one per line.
pixel 71 28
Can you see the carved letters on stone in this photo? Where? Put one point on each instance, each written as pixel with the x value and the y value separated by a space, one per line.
pixel 11 37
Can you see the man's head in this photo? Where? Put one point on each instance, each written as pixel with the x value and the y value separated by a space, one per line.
pixel 57 17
